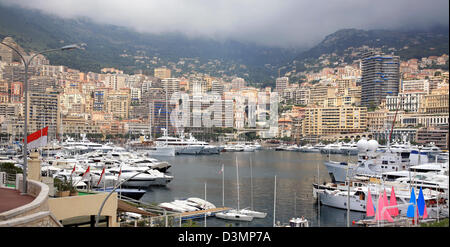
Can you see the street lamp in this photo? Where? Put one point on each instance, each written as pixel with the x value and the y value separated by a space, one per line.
pixel 114 189
pixel 25 126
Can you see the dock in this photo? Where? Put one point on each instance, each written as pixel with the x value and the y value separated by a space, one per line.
pixel 202 213
pixel 399 222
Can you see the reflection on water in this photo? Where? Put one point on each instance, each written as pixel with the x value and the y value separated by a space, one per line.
pixel 295 173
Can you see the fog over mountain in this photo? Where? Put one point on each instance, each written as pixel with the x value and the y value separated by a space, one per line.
pixel 286 23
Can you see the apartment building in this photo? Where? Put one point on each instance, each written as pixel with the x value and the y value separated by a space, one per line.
pixel 380 77
pixel 334 120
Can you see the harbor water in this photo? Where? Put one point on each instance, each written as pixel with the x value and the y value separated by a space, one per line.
pixel 295 171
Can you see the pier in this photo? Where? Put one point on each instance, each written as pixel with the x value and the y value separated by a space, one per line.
pixel 202 213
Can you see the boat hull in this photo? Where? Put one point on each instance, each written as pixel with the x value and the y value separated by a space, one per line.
pixel 162 151
pixel 337 170
pixel 193 150
pixel 233 216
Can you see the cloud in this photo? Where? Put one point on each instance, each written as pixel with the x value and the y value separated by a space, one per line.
pixel 274 22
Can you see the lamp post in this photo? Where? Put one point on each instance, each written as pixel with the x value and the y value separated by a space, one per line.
pixel 25 93
pixel 114 189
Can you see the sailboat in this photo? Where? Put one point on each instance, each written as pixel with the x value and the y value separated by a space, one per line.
pixel 293 222
pixel 235 214
pixel 250 211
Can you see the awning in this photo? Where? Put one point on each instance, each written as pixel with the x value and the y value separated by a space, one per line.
pixel 122 206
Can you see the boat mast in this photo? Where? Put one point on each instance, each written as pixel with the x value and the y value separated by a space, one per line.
pixel 251 184
pixel 295 204
pixel 167 120
pixel 318 194
pixel 274 199
pixel 223 187
pixel 237 177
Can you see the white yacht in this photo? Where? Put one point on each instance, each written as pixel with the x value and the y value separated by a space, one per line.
pixel 308 148
pixel 293 148
pixel 349 148
pixel 370 162
pixel 187 146
pixel 144 180
pixel 84 146
pixel 358 198
pixel 234 148
pixel 161 150
pixel 332 148
pixel 108 179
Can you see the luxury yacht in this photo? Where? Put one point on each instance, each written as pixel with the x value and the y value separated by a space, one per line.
pixel 370 162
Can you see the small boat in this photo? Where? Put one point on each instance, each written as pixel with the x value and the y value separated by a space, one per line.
pixel 233 215
pixel 201 203
pixel 250 211
pixel 172 207
pixel 299 222
pixel 254 214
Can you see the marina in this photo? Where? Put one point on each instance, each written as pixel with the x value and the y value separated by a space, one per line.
pixel 240 179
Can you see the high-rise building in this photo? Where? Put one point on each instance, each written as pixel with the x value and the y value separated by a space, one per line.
pixel 281 84
pixel 380 77
pixel 334 120
pixel 7 54
pixel 44 110
pixel 237 83
pixel 217 87
pixel 162 73
pixel 172 85
pixel 117 103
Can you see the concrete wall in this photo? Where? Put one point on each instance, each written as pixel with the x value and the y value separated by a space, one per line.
pixel 85 205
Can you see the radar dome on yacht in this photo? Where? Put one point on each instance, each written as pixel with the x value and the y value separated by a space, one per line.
pixel 372 145
pixel 362 145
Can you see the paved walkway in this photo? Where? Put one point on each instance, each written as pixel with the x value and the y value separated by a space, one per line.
pixel 11 198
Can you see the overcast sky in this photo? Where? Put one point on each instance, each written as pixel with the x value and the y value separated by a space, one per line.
pixel 268 22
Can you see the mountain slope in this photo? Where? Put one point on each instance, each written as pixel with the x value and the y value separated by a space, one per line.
pixel 406 44
pixel 106 43
pixel 125 49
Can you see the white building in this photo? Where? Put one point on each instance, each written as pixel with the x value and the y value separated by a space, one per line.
pixel 409 102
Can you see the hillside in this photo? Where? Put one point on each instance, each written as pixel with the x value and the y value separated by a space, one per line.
pixel 346 46
pixel 113 46
pixel 125 49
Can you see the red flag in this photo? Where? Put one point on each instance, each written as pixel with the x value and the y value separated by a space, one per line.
pixel 101 176
pixel 120 172
pixel 73 170
pixel 87 172
pixel 37 139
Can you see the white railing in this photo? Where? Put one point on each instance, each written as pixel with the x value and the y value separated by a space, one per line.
pixel 2 179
